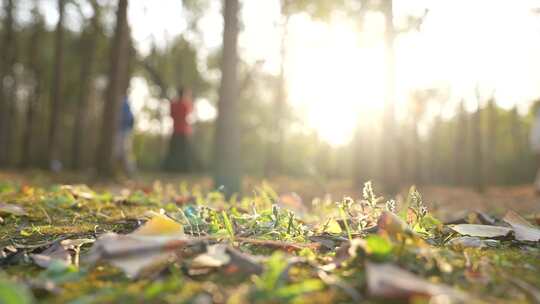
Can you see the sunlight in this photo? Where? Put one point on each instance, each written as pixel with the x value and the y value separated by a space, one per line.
pixel 336 79
pixel 337 82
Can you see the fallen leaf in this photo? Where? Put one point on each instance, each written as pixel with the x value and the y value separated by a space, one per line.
pixel 391 282
pixel 524 231
pixel 242 262
pixel 292 201
pixel 467 242
pixel 391 224
pixel 215 256
pixel 12 209
pixel 150 245
pixel 64 251
pixel 281 245
pixel 133 253
pixel 471 217
pixel 79 191
pixel 328 242
pixel 532 292
pixel 345 252
pixel 486 231
pixel 227 258
pixel 333 280
pixel 160 224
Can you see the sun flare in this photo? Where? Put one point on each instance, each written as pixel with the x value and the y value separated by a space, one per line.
pixel 338 82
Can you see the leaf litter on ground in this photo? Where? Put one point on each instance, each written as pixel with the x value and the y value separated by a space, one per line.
pixel 260 247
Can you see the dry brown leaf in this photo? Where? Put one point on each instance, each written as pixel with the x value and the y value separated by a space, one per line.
pixel 392 225
pixel 215 256
pixel 467 242
pixel 64 251
pixel 391 282
pixel 150 245
pixel 486 231
pixel 12 209
pixel 227 258
pixel 133 253
pixel 79 191
pixel 524 231
pixel 292 201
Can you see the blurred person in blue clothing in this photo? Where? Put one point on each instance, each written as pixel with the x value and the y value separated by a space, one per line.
pixel 124 141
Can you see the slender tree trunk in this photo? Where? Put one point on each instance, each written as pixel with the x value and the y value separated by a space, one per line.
pixel 478 164
pixel 459 145
pixel 359 146
pixel 111 111
pixel 434 154
pixel 274 160
pixel 56 93
pixel 7 53
pixel 518 146
pixel 88 43
pixel 33 101
pixel 27 160
pixel 227 140
pixel 389 159
pixel 491 142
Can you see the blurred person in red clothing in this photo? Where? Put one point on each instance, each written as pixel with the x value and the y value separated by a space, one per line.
pixel 180 157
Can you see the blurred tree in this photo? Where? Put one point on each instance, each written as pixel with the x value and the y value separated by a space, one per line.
pixel 275 144
pixel 491 144
pixel 478 160
pixel 119 58
pixel 227 141
pixel 36 73
pixel 56 92
pixel 7 80
pixel 171 67
pixel 390 169
pixel 418 104
pixel 88 48
pixel 392 149
pixel 318 10
pixel 460 141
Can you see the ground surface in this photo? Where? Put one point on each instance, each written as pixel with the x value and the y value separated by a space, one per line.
pixel 271 246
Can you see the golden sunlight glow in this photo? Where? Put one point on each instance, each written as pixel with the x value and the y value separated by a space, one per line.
pixel 335 80
pixel 336 75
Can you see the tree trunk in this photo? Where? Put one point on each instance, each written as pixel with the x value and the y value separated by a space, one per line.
pixel 111 110
pixel 7 54
pixel 434 154
pixel 519 162
pixel 389 159
pixel 227 140
pixel 459 145
pixel 56 93
pixel 88 43
pixel 275 150
pixel 477 152
pixel 33 101
pixel 491 142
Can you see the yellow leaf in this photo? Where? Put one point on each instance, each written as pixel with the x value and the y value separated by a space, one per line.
pixel 333 227
pixel 159 225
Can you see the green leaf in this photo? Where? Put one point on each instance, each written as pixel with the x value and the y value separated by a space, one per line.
pixel 11 293
pixel 378 247
pixel 295 290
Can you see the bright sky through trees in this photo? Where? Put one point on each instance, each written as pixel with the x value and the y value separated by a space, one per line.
pixel 336 75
